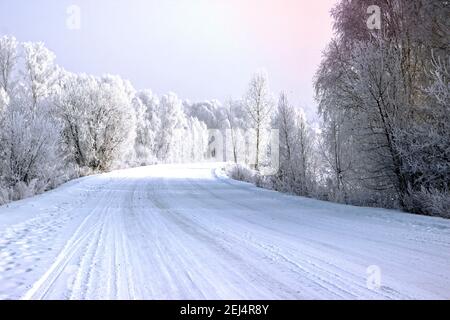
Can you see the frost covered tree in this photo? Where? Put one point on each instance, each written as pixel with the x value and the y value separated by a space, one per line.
pixel 8 60
pixel 145 104
pixel 285 121
pixel 338 155
pixel 232 138
pixel 427 148
pixel 295 149
pixel 189 141
pixel 98 119
pixel 258 102
pixel 370 102
pixel 40 70
pixel 30 143
pixel 197 140
pixel 30 157
pixel 4 100
pixel 171 117
pixel 210 112
pixel 372 89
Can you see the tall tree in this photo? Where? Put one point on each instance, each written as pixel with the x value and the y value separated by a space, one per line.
pixel 40 71
pixel 8 60
pixel 295 148
pixel 98 119
pixel 259 104
pixel 171 117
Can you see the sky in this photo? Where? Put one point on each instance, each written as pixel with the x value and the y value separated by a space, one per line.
pixel 199 49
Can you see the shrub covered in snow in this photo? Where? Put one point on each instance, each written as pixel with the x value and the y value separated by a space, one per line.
pixel 244 173
pixel 431 202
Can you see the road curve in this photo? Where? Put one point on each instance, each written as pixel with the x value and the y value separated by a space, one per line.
pixel 186 232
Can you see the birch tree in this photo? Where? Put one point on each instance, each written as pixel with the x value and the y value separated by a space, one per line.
pixel 258 102
pixel 40 71
pixel 8 60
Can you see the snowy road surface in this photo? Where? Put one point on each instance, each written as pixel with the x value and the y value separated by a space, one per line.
pixel 186 232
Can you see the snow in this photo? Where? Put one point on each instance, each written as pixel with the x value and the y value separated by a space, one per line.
pixel 189 232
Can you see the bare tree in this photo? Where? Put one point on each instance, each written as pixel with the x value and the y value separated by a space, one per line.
pixel 371 92
pixel 259 104
pixel 231 123
pixel 8 59
pixel 295 151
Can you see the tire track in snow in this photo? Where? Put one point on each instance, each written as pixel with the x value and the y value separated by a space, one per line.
pixel 229 247
pixel 41 288
pixel 305 277
pixel 172 232
pixel 332 279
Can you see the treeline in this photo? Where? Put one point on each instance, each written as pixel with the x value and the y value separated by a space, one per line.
pixel 56 125
pixel 384 98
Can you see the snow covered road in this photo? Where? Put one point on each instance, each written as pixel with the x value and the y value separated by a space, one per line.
pixel 183 232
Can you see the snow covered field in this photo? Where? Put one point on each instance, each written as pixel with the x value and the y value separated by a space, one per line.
pixel 186 232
